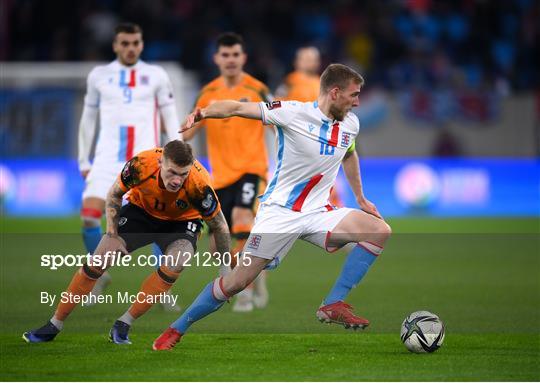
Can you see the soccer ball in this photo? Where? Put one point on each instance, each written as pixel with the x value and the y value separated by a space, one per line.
pixel 422 331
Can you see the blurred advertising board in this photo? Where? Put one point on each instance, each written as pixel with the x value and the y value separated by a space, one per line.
pixel 399 187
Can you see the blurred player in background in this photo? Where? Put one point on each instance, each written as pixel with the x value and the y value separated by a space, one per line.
pixel 237 152
pixel 303 85
pixel 315 138
pixel 130 96
pixel 169 194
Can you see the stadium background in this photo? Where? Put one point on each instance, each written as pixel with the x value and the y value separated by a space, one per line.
pixel 449 146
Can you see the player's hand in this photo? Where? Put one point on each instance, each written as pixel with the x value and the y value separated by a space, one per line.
pixel 191 120
pixel 113 242
pixel 84 173
pixel 369 207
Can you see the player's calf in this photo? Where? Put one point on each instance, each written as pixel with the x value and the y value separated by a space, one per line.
pixel 155 285
pixel 359 260
pixel 359 226
pixel 210 299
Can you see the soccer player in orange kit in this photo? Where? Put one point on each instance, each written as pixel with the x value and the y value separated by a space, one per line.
pixel 169 195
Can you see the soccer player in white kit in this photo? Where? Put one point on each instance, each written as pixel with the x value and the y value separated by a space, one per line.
pixel 314 139
pixel 130 96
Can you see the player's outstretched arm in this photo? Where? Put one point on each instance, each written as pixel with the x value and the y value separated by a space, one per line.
pixel 222 236
pixel 351 168
pixel 187 135
pixel 223 109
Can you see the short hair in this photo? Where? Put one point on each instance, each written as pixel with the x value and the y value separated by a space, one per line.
pixel 339 75
pixel 127 28
pixel 179 152
pixel 228 39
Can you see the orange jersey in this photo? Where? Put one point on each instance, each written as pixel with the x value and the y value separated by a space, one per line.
pixel 196 198
pixel 235 145
pixel 302 87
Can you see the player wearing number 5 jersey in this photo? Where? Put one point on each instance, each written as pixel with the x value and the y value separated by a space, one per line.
pixel 237 152
pixel 169 193
pixel 314 140
pixel 131 98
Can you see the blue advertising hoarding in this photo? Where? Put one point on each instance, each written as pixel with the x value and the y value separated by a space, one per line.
pixel 399 187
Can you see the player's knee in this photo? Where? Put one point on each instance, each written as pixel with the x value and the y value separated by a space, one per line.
pixel 177 255
pixel 384 229
pixel 92 271
pixel 91 217
pixel 176 267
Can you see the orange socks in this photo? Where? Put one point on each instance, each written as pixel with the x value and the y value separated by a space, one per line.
pixel 157 283
pixel 81 284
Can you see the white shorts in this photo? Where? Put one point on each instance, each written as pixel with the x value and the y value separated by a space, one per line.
pixel 277 228
pixel 100 179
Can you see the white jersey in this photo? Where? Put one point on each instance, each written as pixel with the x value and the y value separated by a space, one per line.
pixel 310 150
pixel 129 99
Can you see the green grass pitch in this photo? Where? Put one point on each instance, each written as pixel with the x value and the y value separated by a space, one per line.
pixel 481 276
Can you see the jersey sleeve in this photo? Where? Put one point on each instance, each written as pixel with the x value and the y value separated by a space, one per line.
pixel 202 196
pixel 356 125
pixel 91 98
pixel 205 202
pixel 278 112
pixel 136 171
pixel 351 148
pixel 164 93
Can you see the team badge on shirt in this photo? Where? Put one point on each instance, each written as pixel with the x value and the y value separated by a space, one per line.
pixel 145 80
pixel 345 139
pixel 254 241
pixel 181 204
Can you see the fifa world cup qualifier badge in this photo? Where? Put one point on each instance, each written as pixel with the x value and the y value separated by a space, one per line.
pixel 273 105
